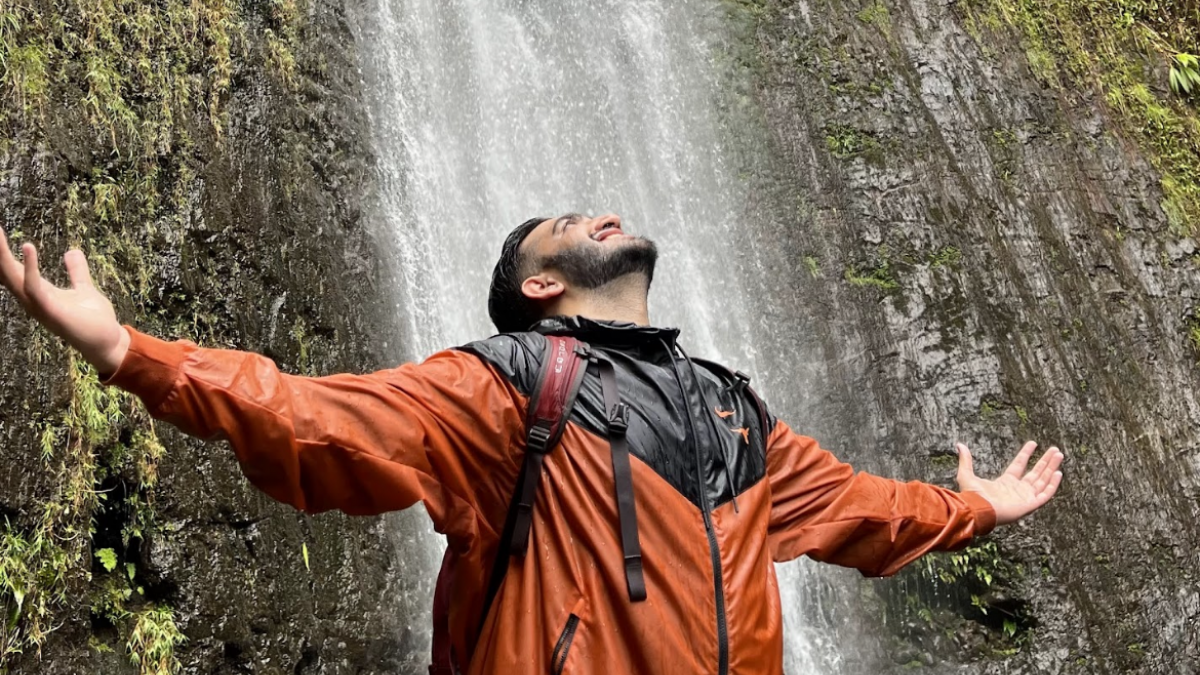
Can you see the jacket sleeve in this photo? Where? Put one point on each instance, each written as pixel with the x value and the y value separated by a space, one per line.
pixel 821 508
pixel 440 432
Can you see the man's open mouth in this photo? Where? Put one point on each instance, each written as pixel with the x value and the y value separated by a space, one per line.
pixel 608 231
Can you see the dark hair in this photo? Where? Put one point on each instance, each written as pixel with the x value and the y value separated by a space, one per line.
pixel 510 310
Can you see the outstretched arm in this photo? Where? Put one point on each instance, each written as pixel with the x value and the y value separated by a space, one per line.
pixel 823 509
pixel 360 443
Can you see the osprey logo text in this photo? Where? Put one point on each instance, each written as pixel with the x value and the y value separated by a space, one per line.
pixel 560 359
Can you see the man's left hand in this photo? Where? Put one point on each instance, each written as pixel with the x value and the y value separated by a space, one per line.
pixel 1016 493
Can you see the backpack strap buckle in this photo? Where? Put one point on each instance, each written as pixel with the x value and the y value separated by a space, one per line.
pixel 618 419
pixel 538 438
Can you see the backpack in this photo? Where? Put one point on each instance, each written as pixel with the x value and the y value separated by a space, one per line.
pixel 564 363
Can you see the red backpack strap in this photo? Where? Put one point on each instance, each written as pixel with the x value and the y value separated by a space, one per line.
pixel 564 363
pixel 563 369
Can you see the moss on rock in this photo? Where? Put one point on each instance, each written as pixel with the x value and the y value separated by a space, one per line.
pixel 1124 51
pixel 208 157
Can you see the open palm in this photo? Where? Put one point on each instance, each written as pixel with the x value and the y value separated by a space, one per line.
pixel 81 314
pixel 1015 493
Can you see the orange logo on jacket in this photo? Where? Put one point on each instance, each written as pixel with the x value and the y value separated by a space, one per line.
pixel 723 414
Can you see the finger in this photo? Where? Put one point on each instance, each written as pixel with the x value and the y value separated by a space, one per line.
pixel 34 287
pixel 77 269
pixel 1047 493
pixel 1017 468
pixel 966 464
pixel 1041 471
pixel 1051 468
pixel 11 274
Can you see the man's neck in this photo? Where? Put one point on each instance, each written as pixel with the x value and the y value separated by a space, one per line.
pixel 621 300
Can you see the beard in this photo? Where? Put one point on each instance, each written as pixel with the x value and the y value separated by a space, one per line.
pixel 589 267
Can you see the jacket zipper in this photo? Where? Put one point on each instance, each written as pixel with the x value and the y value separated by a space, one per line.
pixel 558 659
pixel 718 594
pixel 714 551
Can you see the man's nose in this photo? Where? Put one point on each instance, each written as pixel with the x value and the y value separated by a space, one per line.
pixel 606 220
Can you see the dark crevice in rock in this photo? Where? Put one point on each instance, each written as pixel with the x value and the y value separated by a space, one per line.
pixel 309 661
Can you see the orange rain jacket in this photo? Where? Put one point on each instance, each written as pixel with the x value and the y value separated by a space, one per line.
pixel 719 500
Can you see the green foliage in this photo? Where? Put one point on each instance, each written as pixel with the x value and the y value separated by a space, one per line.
pixel 1185 74
pixel 153 641
pixel 108 558
pixel 1003 137
pixel 1120 48
pixel 1002 146
pixel 33 571
pixel 285 17
pixel 972 596
pixel 300 334
pixel 812 265
pixel 876 14
pixel 982 578
pixel 140 88
pixel 979 562
pixel 947 256
pixel 987 409
pixel 1192 326
pixel 846 141
pixel 879 276
pixel 877 273
pixel 150 633
pixel 44 564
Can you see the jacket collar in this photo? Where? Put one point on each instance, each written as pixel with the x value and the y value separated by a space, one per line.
pixel 605 332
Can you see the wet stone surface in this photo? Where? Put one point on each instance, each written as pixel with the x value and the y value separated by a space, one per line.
pixel 965 254
pixel 270 254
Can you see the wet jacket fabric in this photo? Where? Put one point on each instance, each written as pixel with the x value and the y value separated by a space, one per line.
pixel 719 498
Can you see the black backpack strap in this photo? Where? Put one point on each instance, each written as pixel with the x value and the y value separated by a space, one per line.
pixel 563 367
pixel 618 423
pixel 442 649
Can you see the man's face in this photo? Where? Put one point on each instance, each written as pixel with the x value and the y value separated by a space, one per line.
pixel 589 252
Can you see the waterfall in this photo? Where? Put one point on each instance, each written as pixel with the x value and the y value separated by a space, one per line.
pixel 489 112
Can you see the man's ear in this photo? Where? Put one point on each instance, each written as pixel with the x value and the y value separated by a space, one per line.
pixel 543 287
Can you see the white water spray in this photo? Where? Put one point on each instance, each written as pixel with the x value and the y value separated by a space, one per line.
pixel 488 112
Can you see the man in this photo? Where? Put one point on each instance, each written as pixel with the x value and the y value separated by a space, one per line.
pixel 720 489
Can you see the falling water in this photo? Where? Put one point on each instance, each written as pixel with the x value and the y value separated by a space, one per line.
pixel 486 113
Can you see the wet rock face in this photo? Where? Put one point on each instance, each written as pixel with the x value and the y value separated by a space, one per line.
pixel 267 251
pixel 957 251
pixel 965 254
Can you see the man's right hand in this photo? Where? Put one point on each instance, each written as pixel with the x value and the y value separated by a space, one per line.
pixel 81 315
